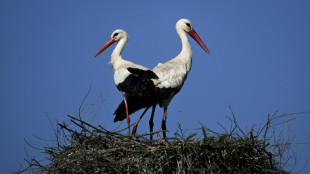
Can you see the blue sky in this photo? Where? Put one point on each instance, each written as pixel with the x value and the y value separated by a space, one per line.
pixel 259 64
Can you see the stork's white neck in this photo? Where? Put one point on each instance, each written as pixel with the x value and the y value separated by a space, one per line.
pixel 116 58
pixel 186 47
pixel 186 53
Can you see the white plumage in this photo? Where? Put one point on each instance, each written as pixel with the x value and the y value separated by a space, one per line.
pixel 173 73
pixel 130 78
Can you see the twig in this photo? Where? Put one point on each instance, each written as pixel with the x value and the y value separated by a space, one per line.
pixel 82 104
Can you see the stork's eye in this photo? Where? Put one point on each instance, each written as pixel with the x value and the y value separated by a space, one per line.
pixel 188 24
pixel 114 35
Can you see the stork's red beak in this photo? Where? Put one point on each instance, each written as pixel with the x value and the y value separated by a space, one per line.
pixel 105 46
pixel 195 36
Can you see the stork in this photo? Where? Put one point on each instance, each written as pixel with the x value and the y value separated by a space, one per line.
pixel 131 79
pixel 172 75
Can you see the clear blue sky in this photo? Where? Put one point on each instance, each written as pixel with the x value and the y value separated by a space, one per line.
pixel 259 63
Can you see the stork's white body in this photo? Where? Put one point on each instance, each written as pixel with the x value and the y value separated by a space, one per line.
pixel 172 74
pixel 130 78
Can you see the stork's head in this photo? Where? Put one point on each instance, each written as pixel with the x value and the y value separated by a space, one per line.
pixel 119 34
pixel 186 25
pixel 116 36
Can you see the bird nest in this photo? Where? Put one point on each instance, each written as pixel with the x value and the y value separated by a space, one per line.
pixel 90 149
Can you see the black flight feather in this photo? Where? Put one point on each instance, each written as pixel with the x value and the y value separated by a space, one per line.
pixel 135 103
pixel 137 86
pixel 148 74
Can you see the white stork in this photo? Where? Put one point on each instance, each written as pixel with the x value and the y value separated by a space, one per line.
pixel 132 79
pixel 172 76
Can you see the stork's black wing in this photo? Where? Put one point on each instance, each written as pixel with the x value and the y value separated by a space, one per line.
pixel 138 86
pixel 143 73
pixel 135 103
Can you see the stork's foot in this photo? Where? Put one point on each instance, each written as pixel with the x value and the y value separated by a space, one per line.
pixel 128 127
pixel 163 126
pixel 164 134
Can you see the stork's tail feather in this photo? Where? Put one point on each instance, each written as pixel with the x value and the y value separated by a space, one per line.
pixel 134 104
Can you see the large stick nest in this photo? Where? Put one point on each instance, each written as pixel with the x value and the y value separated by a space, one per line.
pixel 90 149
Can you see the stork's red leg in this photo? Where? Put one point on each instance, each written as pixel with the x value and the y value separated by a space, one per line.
pixel 151 123
pixel 163 123
pixel 127 115
pixel 134 129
